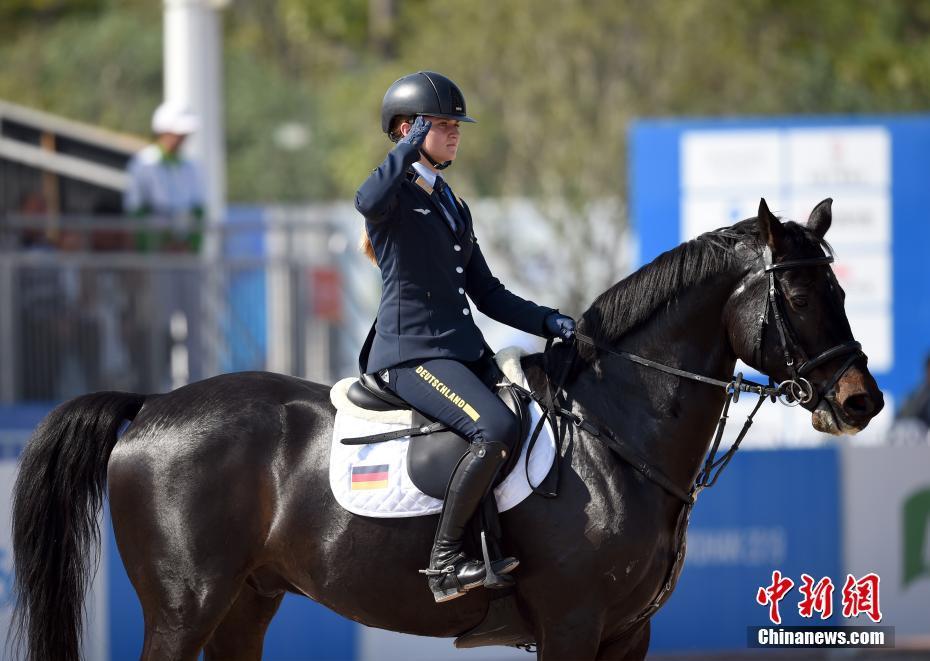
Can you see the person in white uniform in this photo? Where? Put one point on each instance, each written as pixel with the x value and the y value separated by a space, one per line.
pixel 165 189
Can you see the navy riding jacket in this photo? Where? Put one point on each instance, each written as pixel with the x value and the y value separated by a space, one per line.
pixel 426 272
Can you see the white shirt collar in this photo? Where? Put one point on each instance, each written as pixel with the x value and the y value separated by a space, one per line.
pixel 428 175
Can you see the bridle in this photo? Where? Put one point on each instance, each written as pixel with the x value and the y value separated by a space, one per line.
pixel 798 388
pixel 791 392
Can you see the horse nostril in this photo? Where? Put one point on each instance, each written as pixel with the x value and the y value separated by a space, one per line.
pixel 859 405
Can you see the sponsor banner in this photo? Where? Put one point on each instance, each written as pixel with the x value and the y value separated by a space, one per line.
pixel 886 514
pixel 724 173
pixel 770 510
pixel 691 176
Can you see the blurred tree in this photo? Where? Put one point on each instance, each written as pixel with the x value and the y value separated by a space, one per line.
pixel 553 84
pixel 93 65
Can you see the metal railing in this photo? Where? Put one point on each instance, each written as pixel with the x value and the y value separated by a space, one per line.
pixel 95 303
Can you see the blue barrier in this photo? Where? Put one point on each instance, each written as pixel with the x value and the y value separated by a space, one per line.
pixel 777 509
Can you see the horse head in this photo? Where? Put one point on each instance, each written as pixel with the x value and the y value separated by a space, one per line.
pixel 787 320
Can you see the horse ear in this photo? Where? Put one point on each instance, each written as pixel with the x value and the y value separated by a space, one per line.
pixel 772 231
pixel 821 217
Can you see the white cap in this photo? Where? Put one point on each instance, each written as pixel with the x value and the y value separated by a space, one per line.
pixel 173 118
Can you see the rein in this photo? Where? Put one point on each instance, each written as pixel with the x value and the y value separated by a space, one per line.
pixel 791 392
pixel 713 465
pixel 796 390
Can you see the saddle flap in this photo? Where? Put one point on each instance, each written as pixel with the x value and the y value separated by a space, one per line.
pixel 518 403
pixel 432 458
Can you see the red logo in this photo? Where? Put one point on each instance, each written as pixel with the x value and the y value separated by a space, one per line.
pixel 859 597
pixel 817 598
pixel 771 595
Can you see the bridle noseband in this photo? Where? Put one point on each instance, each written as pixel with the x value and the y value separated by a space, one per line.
pixel 798 389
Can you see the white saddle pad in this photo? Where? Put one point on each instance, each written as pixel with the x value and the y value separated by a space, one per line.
pixel 372 479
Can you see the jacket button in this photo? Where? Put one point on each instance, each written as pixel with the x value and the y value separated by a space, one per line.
pixel 459 269
pixel 461 290
pixel 457 247
pixel 465 311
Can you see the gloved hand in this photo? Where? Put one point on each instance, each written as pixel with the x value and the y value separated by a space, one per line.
pixel 417 133
pixel 560 325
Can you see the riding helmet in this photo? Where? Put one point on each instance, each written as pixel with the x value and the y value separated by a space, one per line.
pixel 423 93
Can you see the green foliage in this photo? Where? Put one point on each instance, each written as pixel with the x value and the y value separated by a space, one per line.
pixel 260 102
pixel 102 68
pixel 553 84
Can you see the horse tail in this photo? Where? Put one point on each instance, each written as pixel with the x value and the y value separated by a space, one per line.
pixel 56 535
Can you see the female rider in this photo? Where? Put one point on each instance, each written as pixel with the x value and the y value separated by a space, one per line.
pixel 424 343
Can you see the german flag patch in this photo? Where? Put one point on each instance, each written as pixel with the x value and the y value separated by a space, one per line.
pixel 370 477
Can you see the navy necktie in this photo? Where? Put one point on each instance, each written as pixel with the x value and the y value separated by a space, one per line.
pixel 447 201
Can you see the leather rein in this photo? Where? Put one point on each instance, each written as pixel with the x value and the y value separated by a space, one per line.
pixel 796 390
pixel 791 392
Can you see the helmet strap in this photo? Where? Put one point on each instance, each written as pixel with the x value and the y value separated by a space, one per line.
pixel 436 164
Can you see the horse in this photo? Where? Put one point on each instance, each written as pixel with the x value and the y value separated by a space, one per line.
pixel 220 501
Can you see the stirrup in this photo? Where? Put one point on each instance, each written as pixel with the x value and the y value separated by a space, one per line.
pixel 492 580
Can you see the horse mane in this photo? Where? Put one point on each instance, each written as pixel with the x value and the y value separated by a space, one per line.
pixel 636 298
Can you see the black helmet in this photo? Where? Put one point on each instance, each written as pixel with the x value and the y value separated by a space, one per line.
pixel 423 93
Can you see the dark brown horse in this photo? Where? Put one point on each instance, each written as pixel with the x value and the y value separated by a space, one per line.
pixel 220 499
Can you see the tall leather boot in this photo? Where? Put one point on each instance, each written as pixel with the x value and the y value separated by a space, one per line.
pixel 451 573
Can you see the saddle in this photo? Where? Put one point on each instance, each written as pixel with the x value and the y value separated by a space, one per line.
pixel 432 454
pixel 434 449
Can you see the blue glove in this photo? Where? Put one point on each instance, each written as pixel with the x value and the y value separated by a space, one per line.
pixel 560 325
pixel 417 133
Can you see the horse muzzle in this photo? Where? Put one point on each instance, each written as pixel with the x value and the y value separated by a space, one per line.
pixel 849 407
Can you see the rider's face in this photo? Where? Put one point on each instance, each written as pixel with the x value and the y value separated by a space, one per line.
pixel 442 141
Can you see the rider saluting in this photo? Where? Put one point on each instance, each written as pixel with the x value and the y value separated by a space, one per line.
pixel 424 343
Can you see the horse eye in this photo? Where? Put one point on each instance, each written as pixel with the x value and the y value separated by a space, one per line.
pixel 799 301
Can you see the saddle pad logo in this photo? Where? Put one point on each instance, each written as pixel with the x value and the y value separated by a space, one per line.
pixel 423 211
pixel 370 477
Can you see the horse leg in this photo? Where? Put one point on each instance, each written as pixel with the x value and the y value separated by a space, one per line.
pixel 241 634
pixel 632 646
pixel 180 617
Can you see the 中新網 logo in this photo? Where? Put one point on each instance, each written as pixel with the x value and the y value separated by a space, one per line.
pixel 857 596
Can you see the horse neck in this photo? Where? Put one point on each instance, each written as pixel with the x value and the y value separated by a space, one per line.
pixel 670 420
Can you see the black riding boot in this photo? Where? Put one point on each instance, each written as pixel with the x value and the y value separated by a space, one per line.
pixel 451 573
